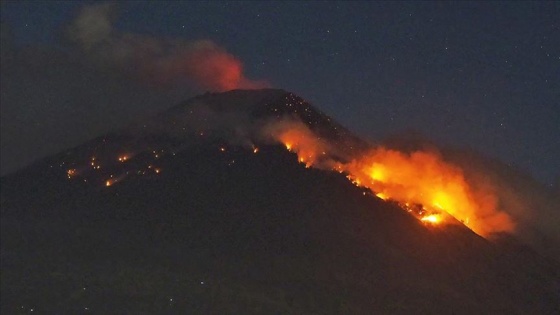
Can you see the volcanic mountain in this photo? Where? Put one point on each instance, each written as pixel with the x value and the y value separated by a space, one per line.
pixel 203 210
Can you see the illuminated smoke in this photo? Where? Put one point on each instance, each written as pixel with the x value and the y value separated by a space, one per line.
pixel 159 62
pixel 535 208
pixel 297 138
pixel 438 186
pixel 419 178
pixel 423 177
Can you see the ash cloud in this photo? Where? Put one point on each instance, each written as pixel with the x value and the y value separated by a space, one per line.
pixel 161 62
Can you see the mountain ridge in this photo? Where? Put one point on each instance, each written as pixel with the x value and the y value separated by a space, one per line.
pixel 229 227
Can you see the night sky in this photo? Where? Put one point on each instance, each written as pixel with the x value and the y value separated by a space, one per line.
pixel 484 76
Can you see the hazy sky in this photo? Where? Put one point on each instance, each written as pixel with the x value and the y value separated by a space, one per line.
pixel 475 75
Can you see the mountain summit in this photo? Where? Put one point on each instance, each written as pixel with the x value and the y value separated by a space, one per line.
pixel 227 204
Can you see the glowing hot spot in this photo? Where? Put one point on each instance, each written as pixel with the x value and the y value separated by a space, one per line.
pixel 71 173
pixel 377 172
pixel 432 218
pixel 381 195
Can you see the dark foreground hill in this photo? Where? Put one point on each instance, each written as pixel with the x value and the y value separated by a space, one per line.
pixel 198 223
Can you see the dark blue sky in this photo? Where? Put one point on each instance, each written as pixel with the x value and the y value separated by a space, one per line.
pixel 476 75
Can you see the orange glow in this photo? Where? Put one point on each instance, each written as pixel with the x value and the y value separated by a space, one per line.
pixel 378 172
pixel 216 69
pixel 108 183
pixel 382 196
pixel 71 173
pixel 420 178
pixel 432 218
pixel 423 178
pixel 255 150
pixel 297 138
pixel 123 158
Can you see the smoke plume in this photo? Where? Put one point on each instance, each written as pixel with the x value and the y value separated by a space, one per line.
pixel 488 196
pixel 534 207
pixel 161 62
pixel 97 80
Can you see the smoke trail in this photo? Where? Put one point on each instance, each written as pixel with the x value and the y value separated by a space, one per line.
pixel 535 208
pixel 298 138
pixel 160 62
pixel 419 177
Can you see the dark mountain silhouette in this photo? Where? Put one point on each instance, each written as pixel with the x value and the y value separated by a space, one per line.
pixel 203 215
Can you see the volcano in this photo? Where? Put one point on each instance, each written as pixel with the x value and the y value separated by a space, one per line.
pixel 203 210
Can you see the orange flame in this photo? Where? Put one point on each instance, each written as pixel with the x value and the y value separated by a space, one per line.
pixel 432 218
pixel 381 195
pixel 420 178
pixel 297 138
pixel 424 178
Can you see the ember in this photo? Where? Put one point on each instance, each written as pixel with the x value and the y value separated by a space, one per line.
pixel 71 173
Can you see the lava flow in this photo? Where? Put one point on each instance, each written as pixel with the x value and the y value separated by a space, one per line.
pixel 421 182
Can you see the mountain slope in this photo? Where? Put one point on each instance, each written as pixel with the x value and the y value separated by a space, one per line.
pixel 196 220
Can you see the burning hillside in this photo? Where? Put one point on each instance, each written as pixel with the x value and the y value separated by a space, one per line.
pixel 206 209
pixel 421 182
